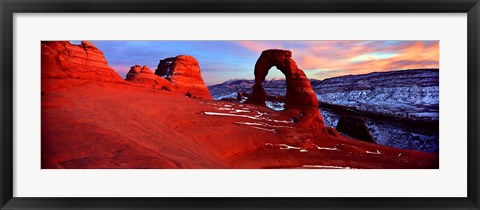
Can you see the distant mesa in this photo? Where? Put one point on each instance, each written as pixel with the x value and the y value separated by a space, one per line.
pixel 145 77
pixel 61 60
pixel 300 99
pixel 183 72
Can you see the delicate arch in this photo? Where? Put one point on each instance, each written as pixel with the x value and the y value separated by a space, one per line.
pixel 300 99
pixel 299 91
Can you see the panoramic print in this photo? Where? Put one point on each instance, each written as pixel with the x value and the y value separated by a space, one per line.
pixel 333 104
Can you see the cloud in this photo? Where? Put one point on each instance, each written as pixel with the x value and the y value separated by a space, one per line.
pixel 373 57
pixel 259 46
pixel 224 60
pixel 354 57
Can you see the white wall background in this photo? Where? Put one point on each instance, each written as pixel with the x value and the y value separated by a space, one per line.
pixel 448 181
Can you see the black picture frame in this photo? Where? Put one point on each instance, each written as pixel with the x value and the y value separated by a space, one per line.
pixel 10 7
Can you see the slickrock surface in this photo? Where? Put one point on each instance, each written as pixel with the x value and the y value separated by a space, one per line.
pixel 184 73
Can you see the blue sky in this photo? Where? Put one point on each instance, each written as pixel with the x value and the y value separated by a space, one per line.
pixel 224 60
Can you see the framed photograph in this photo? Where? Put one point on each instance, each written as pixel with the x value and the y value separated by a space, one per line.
pixel 239 104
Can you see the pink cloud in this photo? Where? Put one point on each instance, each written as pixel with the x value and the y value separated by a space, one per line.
pixel 259 46
pixel 355 57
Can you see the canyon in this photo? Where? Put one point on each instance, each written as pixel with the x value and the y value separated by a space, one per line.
pixel 167 118
pixel 400 108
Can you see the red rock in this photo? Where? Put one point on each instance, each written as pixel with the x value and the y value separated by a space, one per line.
pixel 300 96
pixel 144 76
pixel 183 72
pixel 258 95
pixel 355 127
pixel 101 125
pixel 137 69
pixel 61 59
pixel 91 123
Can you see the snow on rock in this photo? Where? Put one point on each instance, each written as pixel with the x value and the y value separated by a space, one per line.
pixel 411 93
pixel 277 106
pixel 325 167
pixel 404 94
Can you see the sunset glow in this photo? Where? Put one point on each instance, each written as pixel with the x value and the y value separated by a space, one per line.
pixel 225 60
pixel 206 105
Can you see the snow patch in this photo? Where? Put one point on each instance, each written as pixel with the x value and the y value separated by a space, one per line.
pixel 231 95
pixel 325 167
pixel 285 146
pixel 241 110
pixel 277 106
pixel 326 148
pixel 375 153
pixel 263 124
pixel 265 129
pixel 256 117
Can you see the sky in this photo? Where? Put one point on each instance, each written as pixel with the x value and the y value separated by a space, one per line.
pixel 225 60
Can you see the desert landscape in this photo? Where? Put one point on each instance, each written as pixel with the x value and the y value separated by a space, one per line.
pixel 169 118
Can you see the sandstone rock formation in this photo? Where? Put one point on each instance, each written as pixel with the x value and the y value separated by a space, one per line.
pixel 300 98
pixel 61 59
pixel 145 77
pixel 183 72
pixel 354 127
pixel 136 70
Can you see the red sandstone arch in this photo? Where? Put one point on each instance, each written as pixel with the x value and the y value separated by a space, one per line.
pixel 299 97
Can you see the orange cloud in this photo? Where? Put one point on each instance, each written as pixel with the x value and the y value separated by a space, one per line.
pixel 355 57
